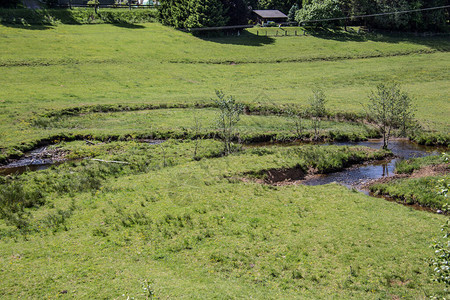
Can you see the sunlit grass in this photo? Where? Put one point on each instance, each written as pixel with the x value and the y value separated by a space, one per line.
pixel 194 232
pixel 191 225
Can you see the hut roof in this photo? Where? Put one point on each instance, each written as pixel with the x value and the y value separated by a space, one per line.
pixel 267 13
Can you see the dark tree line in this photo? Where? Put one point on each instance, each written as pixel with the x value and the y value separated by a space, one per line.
pixel 206 13
pixel 434 20
pixel 10 3
pixel 203 13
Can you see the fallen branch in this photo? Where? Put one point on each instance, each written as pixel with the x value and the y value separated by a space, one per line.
pixel 111 161
pixel 89 142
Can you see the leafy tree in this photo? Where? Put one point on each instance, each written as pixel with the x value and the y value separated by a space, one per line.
pixel 95 4
pixel 436 20
pixel 292 12
pixel 282 5
pixel 9 3
pixel 389 107
pixel 422 20
pixel 173 12
pixel 236 11
pixel 441 262
pixel 205 13
pixel 229 115
pixel 395 21
pixel 202 13
pixel 317 10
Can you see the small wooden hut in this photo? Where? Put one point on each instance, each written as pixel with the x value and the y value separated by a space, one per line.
pixel 268 15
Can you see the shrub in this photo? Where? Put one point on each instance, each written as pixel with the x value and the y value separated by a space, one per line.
pixel 75 16
pixel 229 115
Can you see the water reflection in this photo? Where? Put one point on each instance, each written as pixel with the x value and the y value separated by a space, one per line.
pixel 358 176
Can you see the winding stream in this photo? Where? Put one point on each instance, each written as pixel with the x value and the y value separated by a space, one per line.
pixel 353 177
pixel 40 159
pixel 31 161
pixel 357 176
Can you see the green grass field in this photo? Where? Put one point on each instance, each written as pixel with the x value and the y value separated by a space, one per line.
pixel 69 66
pixel 193 229
pixel 181 220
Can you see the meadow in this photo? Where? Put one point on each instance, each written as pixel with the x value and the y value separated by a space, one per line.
pixel 195 229
pixel 70 66
pixel 180 219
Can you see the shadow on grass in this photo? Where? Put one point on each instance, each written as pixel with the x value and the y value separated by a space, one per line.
pixel 28 27
pixel 437 42
pixel 128 25
pixel 41 19
pixel 244 38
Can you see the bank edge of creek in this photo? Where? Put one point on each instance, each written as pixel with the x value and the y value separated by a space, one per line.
pixel 356 175
pixel 362 176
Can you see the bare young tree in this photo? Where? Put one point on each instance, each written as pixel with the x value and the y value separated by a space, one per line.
pixel 228 116
pixel 296 114
pixel 198 136
pixel 317 110
pixel 390 108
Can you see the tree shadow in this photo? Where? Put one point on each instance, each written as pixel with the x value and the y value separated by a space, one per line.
pixel 244 38
pixel 36 19
pixel 128 25
pixel 336 34
pixel 436 42
pixel 28 27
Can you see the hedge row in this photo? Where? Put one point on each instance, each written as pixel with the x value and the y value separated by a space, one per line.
pixel 76 16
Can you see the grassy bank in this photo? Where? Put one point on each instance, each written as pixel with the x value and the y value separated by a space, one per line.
pixel 165 123
pixel 22 194
pixel 422 191
pixel 178 220
pixel 68 66
pixel 192 230
pixel 422 187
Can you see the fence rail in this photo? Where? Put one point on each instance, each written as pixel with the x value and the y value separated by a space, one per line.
pixel 133 6
pixel 281 32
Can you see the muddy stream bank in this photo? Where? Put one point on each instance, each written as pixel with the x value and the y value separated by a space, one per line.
pixel 44 157
pixel 357 176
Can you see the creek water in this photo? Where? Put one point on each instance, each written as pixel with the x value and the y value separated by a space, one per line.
pixel 352 177
pixel 357 176
pixel 40 159
pixel 31 161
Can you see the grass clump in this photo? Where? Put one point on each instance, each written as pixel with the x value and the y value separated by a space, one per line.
pixel 420 191
pixel 309 159
pixel 327 159
pixel 410 165
pixel 422 188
